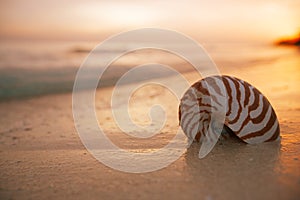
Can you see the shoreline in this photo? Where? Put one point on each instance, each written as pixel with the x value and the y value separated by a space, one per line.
pixel 30 81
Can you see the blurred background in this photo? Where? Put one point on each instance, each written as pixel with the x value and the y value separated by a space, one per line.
pixel 43 43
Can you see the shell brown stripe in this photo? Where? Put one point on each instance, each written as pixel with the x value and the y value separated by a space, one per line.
pixel 252 107
pixel 186 108
pixel 212 99
pixel 190 119
pixel 206 92
pixel 185 114
pixel 237 87
pixel 188 96
pixel 275 135
pixel 263 113
pixel 195 124
pixel 213 83
pixel 228 90
pixel 264 130
pixel 256 100
pixel 247 93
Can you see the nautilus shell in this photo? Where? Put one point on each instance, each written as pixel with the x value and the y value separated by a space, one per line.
pixel 229 102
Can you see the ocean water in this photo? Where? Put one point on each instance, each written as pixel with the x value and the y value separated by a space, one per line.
pixel 35 68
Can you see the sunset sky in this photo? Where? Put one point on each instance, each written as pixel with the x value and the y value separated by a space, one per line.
pixel 215 20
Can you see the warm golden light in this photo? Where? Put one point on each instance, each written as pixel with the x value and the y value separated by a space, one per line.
pixel 112 15
pixel 237 21
pixel 279 19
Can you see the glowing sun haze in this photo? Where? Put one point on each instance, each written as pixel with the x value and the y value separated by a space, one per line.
pixel 243 20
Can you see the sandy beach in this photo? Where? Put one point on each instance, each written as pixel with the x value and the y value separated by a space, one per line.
pixel 42 157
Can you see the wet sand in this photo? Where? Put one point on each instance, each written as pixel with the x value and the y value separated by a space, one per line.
pixel 42 157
